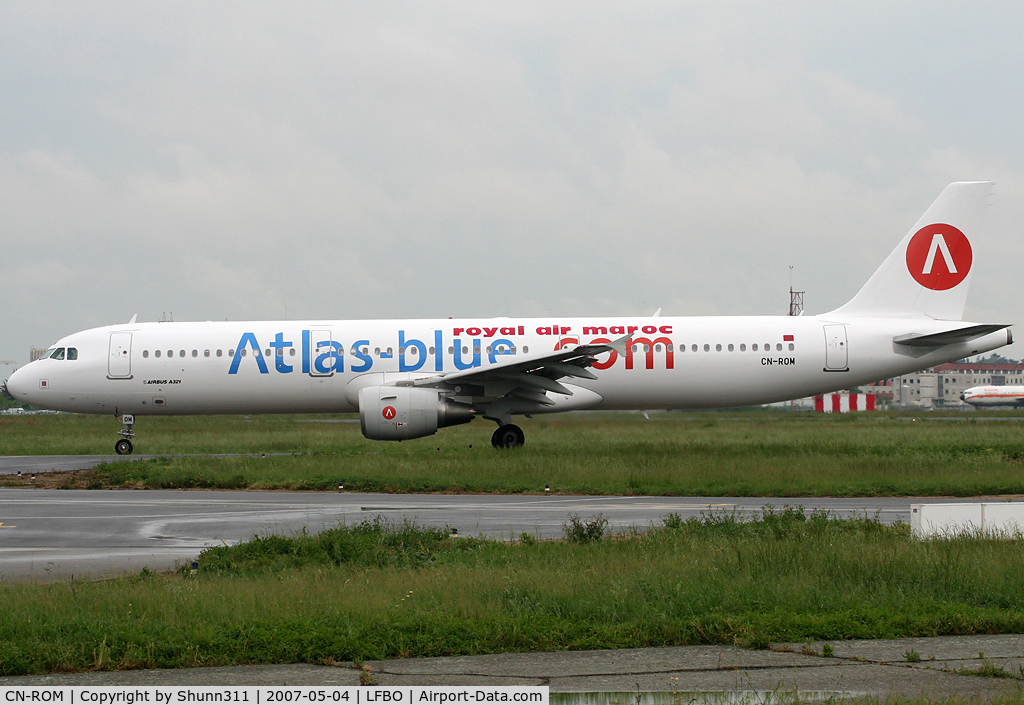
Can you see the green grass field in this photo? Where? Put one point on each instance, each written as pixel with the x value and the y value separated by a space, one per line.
pixel 374 591
pixel 684 454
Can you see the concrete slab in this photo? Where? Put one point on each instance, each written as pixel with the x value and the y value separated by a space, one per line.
pixel 865 668
pixel 938 648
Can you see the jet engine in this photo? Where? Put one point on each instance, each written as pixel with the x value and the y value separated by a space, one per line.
pixel 400 413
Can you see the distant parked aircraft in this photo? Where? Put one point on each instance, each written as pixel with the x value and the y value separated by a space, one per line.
pixel 994 396
pixel 407 378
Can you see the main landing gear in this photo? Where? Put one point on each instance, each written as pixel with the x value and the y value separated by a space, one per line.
pixel 124 446
pixel 508 436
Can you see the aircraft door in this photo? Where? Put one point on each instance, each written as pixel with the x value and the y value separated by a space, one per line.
pixel 322 358
pixel 119 362
pixel 836 357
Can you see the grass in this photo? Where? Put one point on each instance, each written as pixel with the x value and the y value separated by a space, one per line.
pixel 376 590
pixel 683 454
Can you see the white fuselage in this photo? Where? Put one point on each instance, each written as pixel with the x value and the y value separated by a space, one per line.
pixel 320 366
pixel 994 396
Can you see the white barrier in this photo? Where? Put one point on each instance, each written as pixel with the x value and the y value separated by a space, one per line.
pixel 1004 519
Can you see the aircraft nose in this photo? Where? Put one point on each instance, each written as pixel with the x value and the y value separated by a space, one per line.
pixel 18 385
pixel 963 397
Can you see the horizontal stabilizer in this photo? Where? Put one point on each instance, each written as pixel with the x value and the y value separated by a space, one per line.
pixel 947 337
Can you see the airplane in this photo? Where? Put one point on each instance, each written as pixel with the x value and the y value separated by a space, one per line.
pixel 408 378
pixel 994 396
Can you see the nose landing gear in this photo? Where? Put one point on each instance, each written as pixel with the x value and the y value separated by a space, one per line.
pixel 124 446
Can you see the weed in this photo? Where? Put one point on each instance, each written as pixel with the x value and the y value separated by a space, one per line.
pixel 673 522
pixel 827 651
pixel 578 530
pixel 912 656
pixel 987 670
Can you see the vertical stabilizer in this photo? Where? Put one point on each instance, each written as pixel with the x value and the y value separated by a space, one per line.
pixel 929 272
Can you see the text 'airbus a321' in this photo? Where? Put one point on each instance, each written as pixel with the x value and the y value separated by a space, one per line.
pixel 408 378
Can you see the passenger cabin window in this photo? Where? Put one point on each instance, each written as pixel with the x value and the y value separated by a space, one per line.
pixel 220 353
pixel 156 353
pixel 145 353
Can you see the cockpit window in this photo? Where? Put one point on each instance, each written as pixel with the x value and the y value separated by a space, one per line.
pixel 58 354
pixel 72 353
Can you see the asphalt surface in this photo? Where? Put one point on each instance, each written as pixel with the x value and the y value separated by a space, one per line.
pixel 50 534
pixel 56 534
pixel 855 669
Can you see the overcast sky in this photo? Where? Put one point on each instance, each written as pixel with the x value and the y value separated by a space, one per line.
pixel 248 160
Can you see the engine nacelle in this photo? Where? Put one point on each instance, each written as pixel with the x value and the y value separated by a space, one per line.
pixel 399 413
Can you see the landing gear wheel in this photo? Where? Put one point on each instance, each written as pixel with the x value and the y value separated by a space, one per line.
pixel 124 446
pixel 508 436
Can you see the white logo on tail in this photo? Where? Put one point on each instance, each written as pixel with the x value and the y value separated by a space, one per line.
pixel 939 245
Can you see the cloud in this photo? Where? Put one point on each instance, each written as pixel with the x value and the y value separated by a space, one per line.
pixel 343 160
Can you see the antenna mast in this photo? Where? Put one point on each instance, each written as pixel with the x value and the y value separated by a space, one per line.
pixel 796 298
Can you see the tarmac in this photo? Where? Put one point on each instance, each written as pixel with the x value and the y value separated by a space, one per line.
pixel 980 667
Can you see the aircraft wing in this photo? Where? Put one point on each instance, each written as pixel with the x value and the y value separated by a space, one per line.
pixel 948 337
pixel 527 378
